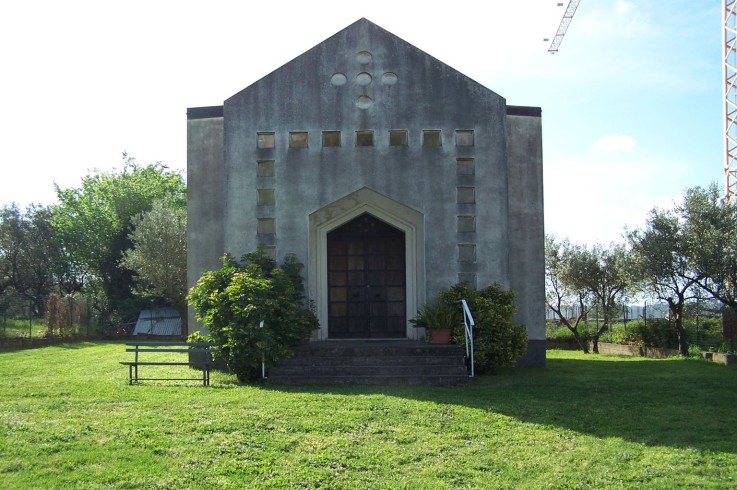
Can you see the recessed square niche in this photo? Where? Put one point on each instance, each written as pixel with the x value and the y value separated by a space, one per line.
pixel 364 138
pixel 466 252
pixel 466 195
pixel 464 137
pixel 265 168
pixel 331 138
pixel 397 137
pixel 265 140
pixel 431 137
pixel 266 226
pixel 465 166
pixel 298 139
pixel 468 278
pixel 266 197
pixel 466 224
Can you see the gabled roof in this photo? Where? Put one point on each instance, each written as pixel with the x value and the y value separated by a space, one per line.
pixel 383 52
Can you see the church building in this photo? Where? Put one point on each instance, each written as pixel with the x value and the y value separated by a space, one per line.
pixel 388 174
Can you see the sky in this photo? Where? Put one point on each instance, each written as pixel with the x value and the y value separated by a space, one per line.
pixel 632 109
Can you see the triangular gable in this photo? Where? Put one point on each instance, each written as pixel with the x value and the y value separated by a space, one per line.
pixel 362 62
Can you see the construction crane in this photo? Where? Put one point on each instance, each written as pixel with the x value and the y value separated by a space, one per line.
pixel 564 23
pixel 729 69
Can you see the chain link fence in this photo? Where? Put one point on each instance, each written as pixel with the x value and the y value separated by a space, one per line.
pixel 708 326
pixel 48 316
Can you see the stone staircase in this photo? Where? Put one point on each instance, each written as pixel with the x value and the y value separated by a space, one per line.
pixel 373 362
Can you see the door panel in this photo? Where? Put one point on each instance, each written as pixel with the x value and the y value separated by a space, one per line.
pixel 366 280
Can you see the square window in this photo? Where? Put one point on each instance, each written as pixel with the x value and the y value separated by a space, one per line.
pixel 464 137
pixel 465 166
pixel 298 139
pixel 266 226
pixel 466 252
pixel 466 195
pixel 466 224
pixel 468 278
pixel 331 138
pixel 265 168
pixel 431 137
pixel 268 251
pixel 265 140
pixel 266 197
pixel 397 137
pixel 364 138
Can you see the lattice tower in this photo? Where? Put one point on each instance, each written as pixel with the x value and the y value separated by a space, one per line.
pixel 563 27
pixel 730 95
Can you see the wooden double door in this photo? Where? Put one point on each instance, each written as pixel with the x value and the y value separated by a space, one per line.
pixel 366 280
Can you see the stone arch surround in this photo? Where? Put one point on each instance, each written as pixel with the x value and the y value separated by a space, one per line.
pixel 339 212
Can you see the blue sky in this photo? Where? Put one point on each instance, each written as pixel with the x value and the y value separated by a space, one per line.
pixel 632 108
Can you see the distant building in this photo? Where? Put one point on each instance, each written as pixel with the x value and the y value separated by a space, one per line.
pixel 388 174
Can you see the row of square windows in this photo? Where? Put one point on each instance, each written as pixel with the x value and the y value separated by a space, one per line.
pixel 464 166
pixel 397 137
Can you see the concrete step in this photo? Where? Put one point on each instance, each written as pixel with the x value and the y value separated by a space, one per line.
pixel 372 380
pixel 384 360
pixel 377 369
pixel 400 362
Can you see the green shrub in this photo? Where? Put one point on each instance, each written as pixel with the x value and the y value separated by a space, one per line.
pixel 498 341
pixel 232 301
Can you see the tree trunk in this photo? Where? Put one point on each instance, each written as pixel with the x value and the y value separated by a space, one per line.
pixel 581 342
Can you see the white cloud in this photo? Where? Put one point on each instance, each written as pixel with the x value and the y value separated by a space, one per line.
pixel 613 143
pixel 590 200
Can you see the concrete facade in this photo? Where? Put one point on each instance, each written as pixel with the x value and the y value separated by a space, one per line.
pixel 365 123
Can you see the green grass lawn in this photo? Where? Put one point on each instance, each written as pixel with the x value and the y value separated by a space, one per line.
pixel 68 419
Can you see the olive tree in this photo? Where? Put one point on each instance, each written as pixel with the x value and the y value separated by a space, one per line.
pixel 158 257
pixel 664 266
pixel 604 273
pixel 563 290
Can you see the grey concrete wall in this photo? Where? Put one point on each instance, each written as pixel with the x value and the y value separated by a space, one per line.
pixel 205 193
pixel 427 95
pixel 526 230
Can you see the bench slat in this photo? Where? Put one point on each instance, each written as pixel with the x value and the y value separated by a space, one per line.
pixel 163 363
pixel 139 348
pixel 169 350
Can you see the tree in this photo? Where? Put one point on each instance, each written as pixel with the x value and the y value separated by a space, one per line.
pixel 563 291
pixel 159 257
pixel 498 341
pixel 93 223
pixel 710 229
pixel 29 258
pixel 605 274
pixel 233 300
pixel 663 265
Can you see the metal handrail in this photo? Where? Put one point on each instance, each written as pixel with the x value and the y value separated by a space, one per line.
pixel 468 325
pixel 263 357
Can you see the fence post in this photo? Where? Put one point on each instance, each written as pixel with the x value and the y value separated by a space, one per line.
pixel 30 318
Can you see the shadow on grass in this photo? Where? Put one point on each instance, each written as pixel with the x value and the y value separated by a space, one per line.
pixel 678 403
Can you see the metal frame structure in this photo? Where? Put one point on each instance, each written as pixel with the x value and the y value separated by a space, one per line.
pixel 563 27
pixel 729 44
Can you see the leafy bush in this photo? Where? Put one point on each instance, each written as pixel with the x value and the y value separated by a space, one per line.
pixel 497 340
pixel 233 300
pixel 657 332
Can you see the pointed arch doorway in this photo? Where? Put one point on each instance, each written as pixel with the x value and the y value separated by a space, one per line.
pixel 366 280
pixel 392 213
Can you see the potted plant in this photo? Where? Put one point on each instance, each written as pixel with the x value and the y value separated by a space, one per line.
pixel 437 319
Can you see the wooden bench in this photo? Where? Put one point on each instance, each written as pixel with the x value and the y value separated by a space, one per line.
pixel 202 358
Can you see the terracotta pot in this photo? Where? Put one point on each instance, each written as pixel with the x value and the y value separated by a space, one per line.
pixel 439 335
